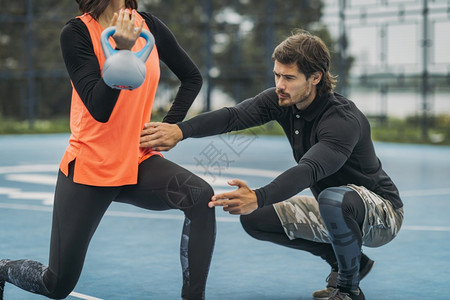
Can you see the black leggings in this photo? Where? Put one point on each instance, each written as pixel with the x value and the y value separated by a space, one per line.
pixel 79 208
pixel 264 224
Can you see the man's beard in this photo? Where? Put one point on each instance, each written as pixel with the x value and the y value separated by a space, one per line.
pixel 283 98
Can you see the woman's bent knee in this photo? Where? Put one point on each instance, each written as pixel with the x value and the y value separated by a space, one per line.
pixel 187 190
pixel 61 291
pixel 59 288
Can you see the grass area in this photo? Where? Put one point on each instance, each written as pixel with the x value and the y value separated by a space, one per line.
pixel 407 130
pixel 11 126
pixel 410 130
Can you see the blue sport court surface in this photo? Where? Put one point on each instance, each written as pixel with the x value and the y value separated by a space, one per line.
pixel 135 253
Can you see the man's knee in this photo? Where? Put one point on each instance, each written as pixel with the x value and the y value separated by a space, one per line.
pixel 330 206
pixel 263 224
pixel 340 199
pixel 248 224
pixel 332 197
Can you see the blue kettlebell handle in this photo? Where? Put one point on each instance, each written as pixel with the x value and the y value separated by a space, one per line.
pixel 141 54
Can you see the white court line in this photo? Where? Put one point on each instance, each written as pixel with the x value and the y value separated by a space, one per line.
pixel 15 193
pixel 146 215
pixel 29 168
pixel 425 228
pixel 81 296
pixel 26 207
pixel 41 179
pixel 238 171
pixel 421 193
pixel 163 216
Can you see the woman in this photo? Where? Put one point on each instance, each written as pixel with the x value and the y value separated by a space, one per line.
pixel 104 163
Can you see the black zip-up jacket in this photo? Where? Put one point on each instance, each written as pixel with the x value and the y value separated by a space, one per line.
pixel 331 143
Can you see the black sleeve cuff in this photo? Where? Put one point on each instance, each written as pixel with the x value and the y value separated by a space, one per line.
pixel 186 129
pixel 259 198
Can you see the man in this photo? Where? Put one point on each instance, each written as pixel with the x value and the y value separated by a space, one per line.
pixel 355 202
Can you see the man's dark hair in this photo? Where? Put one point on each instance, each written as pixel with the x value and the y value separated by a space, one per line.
pixel 310 54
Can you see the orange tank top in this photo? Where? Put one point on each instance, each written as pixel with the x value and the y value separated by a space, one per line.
pixel 108 154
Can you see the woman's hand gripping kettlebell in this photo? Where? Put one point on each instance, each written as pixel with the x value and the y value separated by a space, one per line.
pixel 126 32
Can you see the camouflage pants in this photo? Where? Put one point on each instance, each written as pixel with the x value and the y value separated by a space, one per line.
pixel 300 218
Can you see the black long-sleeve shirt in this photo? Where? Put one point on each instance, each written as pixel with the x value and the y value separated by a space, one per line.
pixel 85 73
pixel 330 140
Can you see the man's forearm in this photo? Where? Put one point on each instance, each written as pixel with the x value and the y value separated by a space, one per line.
pixel 286 185
pixel 207 124
pixel 248 113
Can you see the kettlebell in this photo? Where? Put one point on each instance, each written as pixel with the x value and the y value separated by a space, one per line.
pixel 125 69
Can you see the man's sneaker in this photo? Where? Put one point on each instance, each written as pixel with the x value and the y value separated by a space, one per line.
pixel 2 289
pixel 365 266
pixel 331 286
pixel 337 294
pixel 364 269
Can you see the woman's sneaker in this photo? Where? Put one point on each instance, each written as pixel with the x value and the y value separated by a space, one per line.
pixel 325 294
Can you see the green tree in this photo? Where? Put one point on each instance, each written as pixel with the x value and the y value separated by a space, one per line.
pixel 30 52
